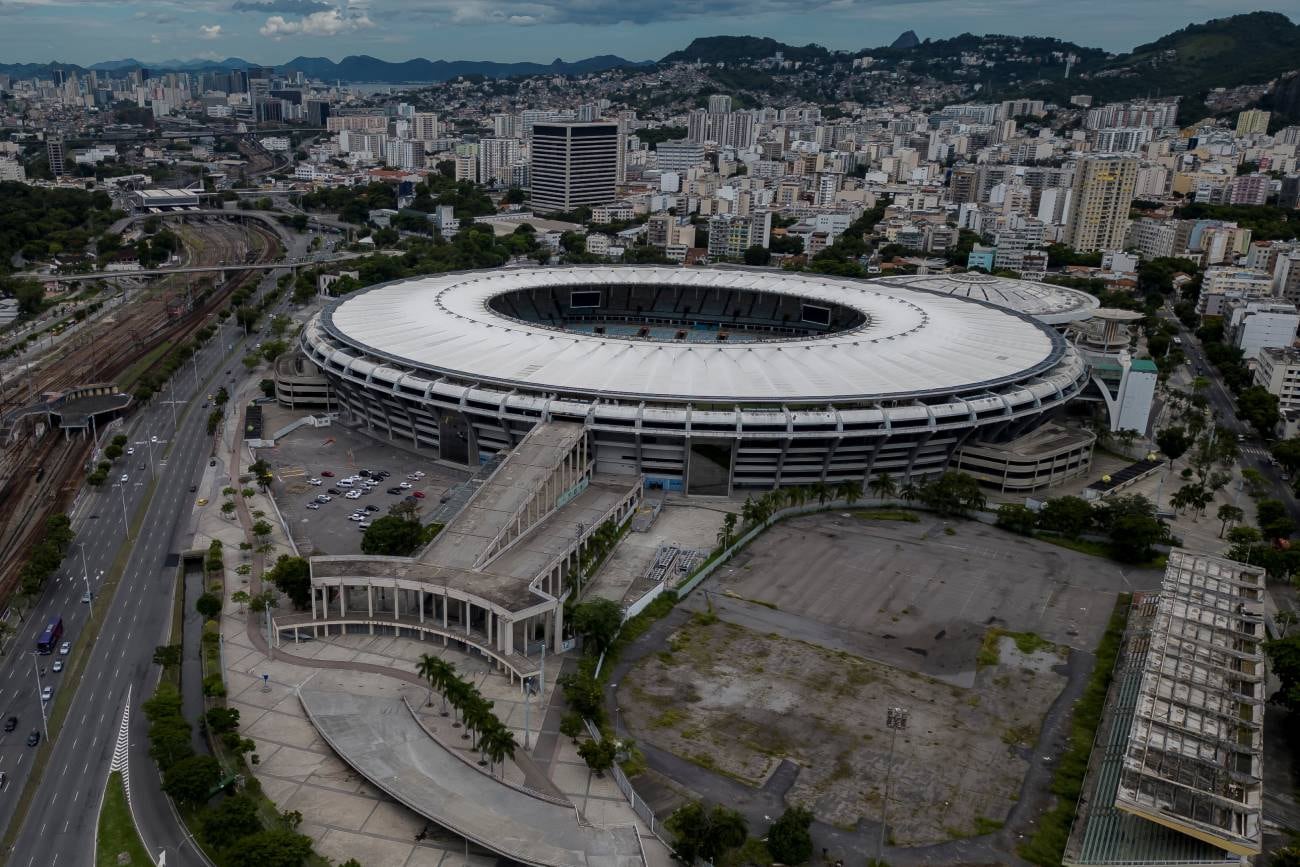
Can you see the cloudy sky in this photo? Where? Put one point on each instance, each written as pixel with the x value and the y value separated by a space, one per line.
pixel 274 31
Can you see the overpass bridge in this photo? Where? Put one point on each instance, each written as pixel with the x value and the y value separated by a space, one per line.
pixel 193 269
pixel 268 218
pixel 76 409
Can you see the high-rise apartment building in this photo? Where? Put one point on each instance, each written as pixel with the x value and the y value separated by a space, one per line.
pixel 495 157
pixel 678 156
pixel 1253 122
pixel 505 125
pixel 1103 192
pixel 719 103
pixel 54 152
pixel 424 126
pixel 574 164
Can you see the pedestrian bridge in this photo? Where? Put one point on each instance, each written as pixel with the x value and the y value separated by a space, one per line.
pixel 384 742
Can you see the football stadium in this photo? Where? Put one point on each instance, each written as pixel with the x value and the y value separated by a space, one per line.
pixel 711 381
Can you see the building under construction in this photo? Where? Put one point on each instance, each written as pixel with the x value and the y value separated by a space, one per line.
pixel 1175 775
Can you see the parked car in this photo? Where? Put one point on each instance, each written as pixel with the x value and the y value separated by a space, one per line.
pixel 11 723
pixel 313 505
pixel 372 508
pixel 323 498
pixel 394 490
pixel 315 482
pixel 405 486
pixel 363 525
pixel 419 495
pixel 335 491
pixel 327 474
pixel 353 495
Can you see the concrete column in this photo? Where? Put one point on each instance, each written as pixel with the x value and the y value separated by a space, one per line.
pixel 446 600
pixel 343 592
pixel 370 606
pixel 397 602
pixel 559 629
pixel 510 638
pixel 546 630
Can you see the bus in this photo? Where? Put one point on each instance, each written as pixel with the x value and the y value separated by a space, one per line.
pixel 50 637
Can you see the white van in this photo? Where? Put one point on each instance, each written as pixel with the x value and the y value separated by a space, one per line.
pixel 344 483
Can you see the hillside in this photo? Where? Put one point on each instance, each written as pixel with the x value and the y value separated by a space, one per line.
pixel 734 49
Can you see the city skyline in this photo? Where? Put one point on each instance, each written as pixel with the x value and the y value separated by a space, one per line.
pixel 275 31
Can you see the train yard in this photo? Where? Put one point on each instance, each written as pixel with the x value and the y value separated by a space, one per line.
pixel 40 469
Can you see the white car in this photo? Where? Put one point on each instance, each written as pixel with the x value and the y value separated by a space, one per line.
pixel 125 478
pixel 355 517
pixel 353 495
pixel 47 693
pixel 130 450
pixel 316 482
pixel 405 486
pixel 323 498
pixel 419 474
pixel 153 439
pixel 65 648
pixel 363 525
pixel 58 665
pixel 313 505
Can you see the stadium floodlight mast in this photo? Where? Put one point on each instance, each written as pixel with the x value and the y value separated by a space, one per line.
pixel 896 721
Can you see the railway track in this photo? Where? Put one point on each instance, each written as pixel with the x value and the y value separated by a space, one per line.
pixel 101 353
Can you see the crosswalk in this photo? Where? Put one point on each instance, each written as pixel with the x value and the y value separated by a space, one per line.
pixel 120 749
pixel 1257 451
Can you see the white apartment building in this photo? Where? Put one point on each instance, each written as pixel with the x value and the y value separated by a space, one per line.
pixel 1223 279
pixel 12 170
pixel 1258 325
pixel 495 158
pixel 424 126
pixel 1278 370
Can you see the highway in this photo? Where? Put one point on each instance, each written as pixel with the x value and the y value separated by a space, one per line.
pixel 303 262
pixel 61 820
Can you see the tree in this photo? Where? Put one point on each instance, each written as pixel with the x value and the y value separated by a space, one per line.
pixel 167 655
pixel 1174 442
pixel 1287 453
pixel 1273 520
pixel 571 725
pixel 191 780
pixel 262 471
pixel 1256 406
pixel 1228 514
pixel 788 839
pixel 1016 518
pixel 498 744
pixel 953 493
pixel 292 577
pixel 1132 527
pixel 228 821
pixel 440 674
pixel 850 491
pixel 262 530
pixel 883 486
pixel 728 530
pixel 1284 661
pixel 599 755
pixel 702 833
pixel 209 605
pixel 392 536
pixel 583 694
pixel 598 622
pixel 1068 516
pixel 757 255
pixel 222 719
pixel 274 847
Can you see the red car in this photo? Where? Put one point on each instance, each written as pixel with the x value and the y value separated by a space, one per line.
pixel 327 474
pixel 419 495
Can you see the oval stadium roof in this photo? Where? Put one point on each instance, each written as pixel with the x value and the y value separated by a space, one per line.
pixel 913 342
pixel 1054 305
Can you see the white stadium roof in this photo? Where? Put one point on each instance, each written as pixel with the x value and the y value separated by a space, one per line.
pixel 913 342
pixel 1055 305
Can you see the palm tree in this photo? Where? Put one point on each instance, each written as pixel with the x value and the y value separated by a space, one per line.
pixel 727 530
pixel 799 495
pixel 883 486
pixel 498 744
pixel 478 717
pixel 850 491
pixel 821 491
pixel 458 693
pixel 909 491
pixel 749 511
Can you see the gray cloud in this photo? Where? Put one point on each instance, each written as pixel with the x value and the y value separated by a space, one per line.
pixel 292 7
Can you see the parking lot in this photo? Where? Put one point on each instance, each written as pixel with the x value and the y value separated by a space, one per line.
pixel 309 453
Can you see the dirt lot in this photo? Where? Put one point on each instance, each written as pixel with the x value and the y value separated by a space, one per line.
pixel 738 701
pixel 802 643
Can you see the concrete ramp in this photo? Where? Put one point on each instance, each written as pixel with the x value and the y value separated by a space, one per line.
pixel 381 739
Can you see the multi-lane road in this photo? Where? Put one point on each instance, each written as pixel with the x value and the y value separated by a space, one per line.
pixel 60 823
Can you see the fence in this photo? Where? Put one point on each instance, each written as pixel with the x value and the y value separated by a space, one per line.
pixel 639 806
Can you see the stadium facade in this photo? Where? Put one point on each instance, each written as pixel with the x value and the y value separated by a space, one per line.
pixel 706 380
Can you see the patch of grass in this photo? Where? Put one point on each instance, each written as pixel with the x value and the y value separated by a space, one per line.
pixel 1095 549
pixel 887 515
pixel 1026 642
pixel 1047 844
pixel 668 719
pixel 752 854
pixel 985 825
pixel 707 617
pixel 1022 735
pixel 949 531
pixel 117 835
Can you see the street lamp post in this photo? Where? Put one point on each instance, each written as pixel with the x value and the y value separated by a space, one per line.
pixel 896 720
